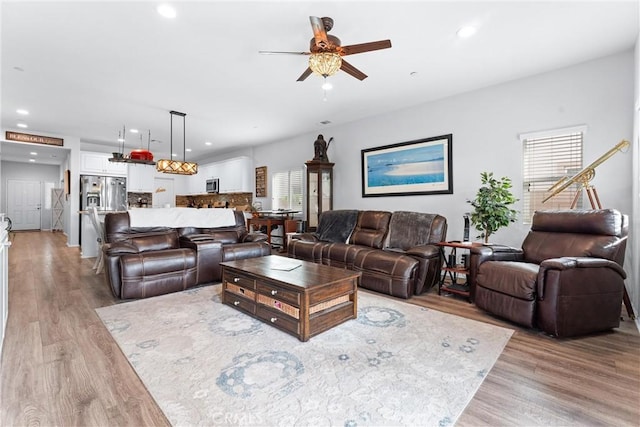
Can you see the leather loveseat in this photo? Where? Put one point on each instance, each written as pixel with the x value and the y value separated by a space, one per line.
pixel 142 262
pixel 567 279
pixel 395 251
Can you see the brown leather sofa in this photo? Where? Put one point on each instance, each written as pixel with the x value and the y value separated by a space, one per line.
pixel 142 262
pixel 395 251
pixel 566 280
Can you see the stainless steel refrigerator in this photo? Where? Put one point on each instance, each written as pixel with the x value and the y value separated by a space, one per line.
pixel 104 192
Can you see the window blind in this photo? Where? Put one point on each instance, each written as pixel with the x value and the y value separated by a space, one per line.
pixel 287 190
pixel 547 160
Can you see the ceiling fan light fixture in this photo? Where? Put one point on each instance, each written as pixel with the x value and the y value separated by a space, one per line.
pixel 325 63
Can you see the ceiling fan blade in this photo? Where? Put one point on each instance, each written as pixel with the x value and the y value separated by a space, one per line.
pixel 304 75
pixel 319 34
pixel 350 69
pixel 365 47
pixel 272 52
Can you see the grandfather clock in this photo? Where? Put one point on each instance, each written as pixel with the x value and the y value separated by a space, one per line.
pixel 319 191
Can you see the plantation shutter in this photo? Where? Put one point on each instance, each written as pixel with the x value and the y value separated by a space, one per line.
pixel 547 159
pixel 287 190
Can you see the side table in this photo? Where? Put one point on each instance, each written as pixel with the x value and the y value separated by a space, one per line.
pixel 452 269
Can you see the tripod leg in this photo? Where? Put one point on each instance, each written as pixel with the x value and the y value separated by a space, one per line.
pixel 575 199
pixel 627 304
pixel 595 195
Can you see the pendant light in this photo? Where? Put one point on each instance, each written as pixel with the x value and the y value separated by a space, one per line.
pixel 176 166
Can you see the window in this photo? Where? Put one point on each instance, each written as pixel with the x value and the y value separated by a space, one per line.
pixel 548 159
pixel 287 190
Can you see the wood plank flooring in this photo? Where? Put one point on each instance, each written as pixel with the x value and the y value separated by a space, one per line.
pixel 61 367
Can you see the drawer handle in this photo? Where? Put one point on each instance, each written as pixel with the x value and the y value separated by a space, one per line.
pixel 236 303
pixel 273 319
pixel 274 292
pixel 236 279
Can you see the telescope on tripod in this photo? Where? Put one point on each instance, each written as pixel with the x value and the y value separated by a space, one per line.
pixel 584 177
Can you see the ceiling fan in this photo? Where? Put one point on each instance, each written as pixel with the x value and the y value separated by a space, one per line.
pixel 325 52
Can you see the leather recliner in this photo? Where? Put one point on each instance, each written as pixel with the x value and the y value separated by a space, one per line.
pixel 567 279
pixel 396 252
pixel 142 262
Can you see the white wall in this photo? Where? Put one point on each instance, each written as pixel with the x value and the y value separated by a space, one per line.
pixel 485 125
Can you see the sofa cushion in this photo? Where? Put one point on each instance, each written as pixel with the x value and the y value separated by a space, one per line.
pixel 336 226
pixel 516 279
pixel 371 229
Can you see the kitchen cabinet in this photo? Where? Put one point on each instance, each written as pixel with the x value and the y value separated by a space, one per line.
pixel 99 164
pixel 140 178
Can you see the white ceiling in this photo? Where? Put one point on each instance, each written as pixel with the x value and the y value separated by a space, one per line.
pixel 88 68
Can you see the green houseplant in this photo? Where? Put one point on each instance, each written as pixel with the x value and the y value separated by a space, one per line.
pixel 492 205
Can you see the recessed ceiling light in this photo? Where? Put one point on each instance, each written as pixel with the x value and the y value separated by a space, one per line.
pixel 22 125
pixel 174 155
pixel 33 153
pixel 208 143
pixel 325 122
pixel 32 160
pixel 22 112
pixel 188 150
pixel 466 31
pixel 133 130
pixel 166 10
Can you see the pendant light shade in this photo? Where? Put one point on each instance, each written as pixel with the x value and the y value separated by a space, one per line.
pixel 176 166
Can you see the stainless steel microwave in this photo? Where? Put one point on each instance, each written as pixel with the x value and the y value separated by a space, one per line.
pixel 212 185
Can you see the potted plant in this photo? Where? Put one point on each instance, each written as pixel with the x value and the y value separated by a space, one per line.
pixel 492 205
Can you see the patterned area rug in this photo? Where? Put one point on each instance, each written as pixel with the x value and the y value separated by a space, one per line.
pixel 396 364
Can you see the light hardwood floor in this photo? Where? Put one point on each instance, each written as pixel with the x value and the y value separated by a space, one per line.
pixel 61 367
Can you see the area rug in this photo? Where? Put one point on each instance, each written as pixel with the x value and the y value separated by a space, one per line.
pixel 396 364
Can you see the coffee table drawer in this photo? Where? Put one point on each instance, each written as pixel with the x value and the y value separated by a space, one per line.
pixel 239 279
pixel 279 320
pixel 239 302
pixel 265 288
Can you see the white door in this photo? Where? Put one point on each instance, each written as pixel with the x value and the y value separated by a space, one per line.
pixel 23 204
pixel 163 193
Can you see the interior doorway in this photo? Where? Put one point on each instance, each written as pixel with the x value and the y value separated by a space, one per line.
pixel 24 205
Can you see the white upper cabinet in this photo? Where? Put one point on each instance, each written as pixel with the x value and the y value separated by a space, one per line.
pixel 140 178
pixel 99 164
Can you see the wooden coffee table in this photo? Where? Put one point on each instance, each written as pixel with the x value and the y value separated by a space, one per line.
pixel 296 296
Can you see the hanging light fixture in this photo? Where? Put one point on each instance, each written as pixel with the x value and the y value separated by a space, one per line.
pixel 175 166
pixel 325 63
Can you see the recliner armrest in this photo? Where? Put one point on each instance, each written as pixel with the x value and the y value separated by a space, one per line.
pixel 119 248
pixel 305 237
pixel 569 263
pixel 253 237
pixel 424 251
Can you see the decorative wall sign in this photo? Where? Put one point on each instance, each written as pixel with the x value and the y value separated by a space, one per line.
pixel 261 181
pixel 33 139
pixel 423 166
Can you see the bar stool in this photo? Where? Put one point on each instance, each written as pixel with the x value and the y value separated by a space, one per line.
pixel 99 229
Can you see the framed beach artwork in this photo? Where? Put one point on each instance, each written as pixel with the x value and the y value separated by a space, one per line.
pixel 409 168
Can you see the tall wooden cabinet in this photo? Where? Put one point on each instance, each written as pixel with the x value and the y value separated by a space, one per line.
pixel 319 191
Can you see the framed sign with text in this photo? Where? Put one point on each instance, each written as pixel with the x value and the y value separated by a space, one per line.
pixel 33 139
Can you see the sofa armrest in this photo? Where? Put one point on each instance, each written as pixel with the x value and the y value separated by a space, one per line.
pixel 253 237
pixel 565 264
pixel 424 251
pixel 209 255
pixel 305 237
pixel 119 248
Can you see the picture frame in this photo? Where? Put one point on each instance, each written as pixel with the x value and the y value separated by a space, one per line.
pixel 261 181
pixel 418 167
